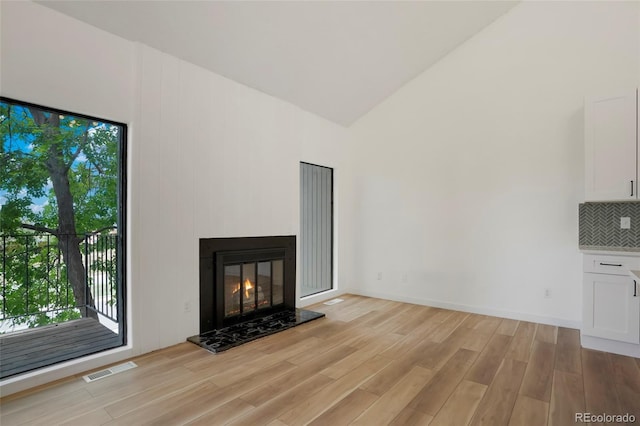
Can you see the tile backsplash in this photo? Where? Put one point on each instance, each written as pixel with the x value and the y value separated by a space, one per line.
pixel 600 224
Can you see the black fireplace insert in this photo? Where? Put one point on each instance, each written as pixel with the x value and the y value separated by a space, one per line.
pixel 245 278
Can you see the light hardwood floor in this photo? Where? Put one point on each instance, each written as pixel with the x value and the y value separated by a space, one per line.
pixel 369 362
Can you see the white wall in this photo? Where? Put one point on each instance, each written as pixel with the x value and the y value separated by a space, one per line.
pixel 54 60
pixel 470 176
pixel 207 158
pixel 216 159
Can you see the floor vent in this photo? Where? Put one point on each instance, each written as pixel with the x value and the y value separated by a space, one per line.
pixel 109 371
pixel 333 301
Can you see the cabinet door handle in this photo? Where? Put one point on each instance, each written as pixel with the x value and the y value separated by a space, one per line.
pixel 609 264
pixel 632 188
pixel 635 288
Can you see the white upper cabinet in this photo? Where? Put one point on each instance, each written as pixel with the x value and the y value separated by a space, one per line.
pixel 611 147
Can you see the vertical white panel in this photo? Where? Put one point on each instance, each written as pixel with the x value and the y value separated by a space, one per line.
pixel 316 222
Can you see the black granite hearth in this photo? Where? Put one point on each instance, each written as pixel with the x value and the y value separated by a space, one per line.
pixel 235 335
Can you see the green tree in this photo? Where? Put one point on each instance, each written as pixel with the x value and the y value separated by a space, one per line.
pixel 58 184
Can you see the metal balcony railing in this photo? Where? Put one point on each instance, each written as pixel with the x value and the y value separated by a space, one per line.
pixel 35 283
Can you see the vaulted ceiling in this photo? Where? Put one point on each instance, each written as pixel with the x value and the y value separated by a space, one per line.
pixel 335 59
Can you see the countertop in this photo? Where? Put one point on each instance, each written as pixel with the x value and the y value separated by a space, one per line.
pixel 609 250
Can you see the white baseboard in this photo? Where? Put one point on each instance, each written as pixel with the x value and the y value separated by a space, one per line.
pixel 606 345
pixel 520 316
pixel 321 297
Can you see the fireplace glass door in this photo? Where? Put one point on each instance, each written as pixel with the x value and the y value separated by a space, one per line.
pixel 253 281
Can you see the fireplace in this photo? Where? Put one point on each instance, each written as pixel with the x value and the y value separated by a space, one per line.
pixel 247 290
pixel 245 278
pixel 251 281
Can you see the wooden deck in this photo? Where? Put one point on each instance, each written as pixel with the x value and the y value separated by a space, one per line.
pixel 30 349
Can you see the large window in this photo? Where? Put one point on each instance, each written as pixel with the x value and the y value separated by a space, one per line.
pixel 62 216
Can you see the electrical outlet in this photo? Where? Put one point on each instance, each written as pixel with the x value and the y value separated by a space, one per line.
pixel 625 223
pixel 547 293
pixel 187 307
pixel 379 276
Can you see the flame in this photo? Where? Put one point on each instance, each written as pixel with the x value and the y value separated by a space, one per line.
pixel 247 286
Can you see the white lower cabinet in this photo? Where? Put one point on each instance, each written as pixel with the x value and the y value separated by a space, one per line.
pixel 611 307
